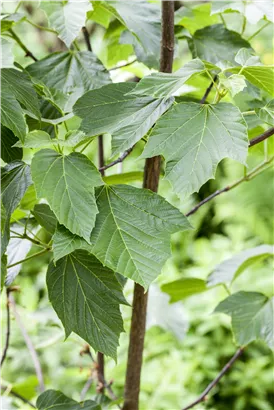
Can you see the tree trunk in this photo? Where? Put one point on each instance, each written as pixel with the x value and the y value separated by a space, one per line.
pixel 151 181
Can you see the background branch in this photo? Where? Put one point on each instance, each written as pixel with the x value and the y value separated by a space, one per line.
pixel 5 351
pixel 18 396
pixel 19 42
pixel 120 159
pixel 203 396
pixel 209 88
pixel 29 344
pixel 268 133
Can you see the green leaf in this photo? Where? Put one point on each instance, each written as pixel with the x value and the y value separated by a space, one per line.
pixel 41 139
pixel 216 43
pixel 8 152
pixel 252 317
pixel 183 288
pixel 99 14
pixel 12 115
pixel 266 113
pixel 45 217
pixel 67 183
pixel 164 84
pixel 229 270
pixel 3 217
pixel 70 71
pixel 132 231
pixel 67 18
pixel 86 297
pixel 195 18
pixel 14 181
pixel 3 270
pixel 253 10
pixel 110 110
pixel 234 84
pixel 64 243
pixel 55 400
pixel 7 57
pixel 7 21
pixel 257 74
pixel 18 84
pixel 145 19
pixel 194 138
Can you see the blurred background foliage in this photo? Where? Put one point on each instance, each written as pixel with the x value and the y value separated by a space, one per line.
pixel 190 345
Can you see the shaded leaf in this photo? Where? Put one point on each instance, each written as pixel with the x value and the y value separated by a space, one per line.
pixel 86 297
pixel 182 288
pixel 67 18
pixel 230 269
pixel 3 217
pixel 132 231
pixel 56 400
pixel 67 183
pixel 15 179
pixel 20 86
pixel 194 138
pixel 12 115
pixel 252 317
pixel 145 19
pixel 45 217
pixel 70 71
pixel 111 110
pixel 216 43
pixel 8 152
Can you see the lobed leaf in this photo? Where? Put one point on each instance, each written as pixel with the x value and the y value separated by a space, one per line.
pixel 194 138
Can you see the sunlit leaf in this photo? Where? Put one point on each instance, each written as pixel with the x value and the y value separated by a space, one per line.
pixel 183 288
pixel 55 400
pixel 194 138
pixel 132 231
pixel 111 110
pixel 67 183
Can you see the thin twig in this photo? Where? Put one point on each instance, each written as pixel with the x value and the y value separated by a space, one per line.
pixel 224 370
pixel 86 37
pixel 120 159
pixel 209 88
pixel 18 396
pixel 123 65
pixel 256 171
pixel 29 344
pixel 5 351
pixel 261 137
pixel 100 373
pixel 19 42
pixel 86 388
pixel 29 257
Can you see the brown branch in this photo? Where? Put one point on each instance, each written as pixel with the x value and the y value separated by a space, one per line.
pixel 30 346
pixel 5 351
pixel 151 181
pixel 117 161
pixel 86 388
pixel 261 137
pixel 100 373
pixel 17 395
pixel 203 396
pixel 209 88
pixel 19 42
pixel 256 171
pixel 123 65
pixel 86 37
